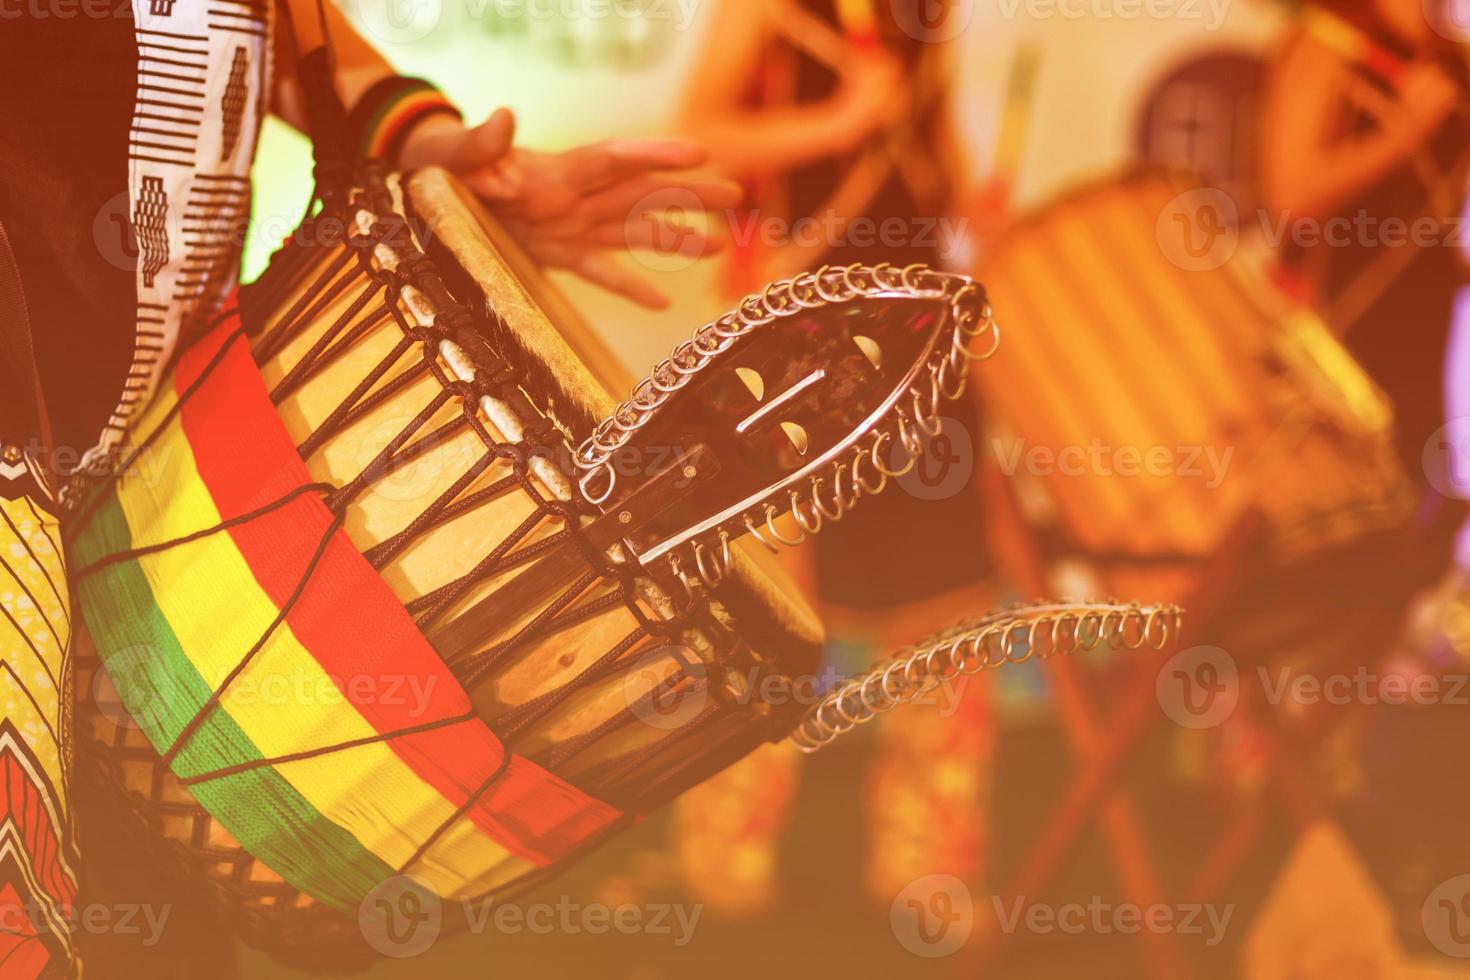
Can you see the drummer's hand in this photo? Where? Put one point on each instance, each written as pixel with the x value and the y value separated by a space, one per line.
pixel 869 93
pixel 1427 96
pixel 574 210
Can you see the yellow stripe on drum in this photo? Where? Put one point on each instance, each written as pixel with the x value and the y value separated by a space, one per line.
pixel 367 790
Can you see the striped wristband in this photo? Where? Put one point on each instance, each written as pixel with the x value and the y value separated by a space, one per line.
pixel 388 113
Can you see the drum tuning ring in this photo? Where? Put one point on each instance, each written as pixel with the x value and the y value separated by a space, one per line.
pixel 989 642
pixel 771 513
pixel 713 565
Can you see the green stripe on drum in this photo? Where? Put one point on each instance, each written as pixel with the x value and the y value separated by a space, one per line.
pixel 163 690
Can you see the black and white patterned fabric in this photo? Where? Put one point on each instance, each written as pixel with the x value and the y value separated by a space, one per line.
pixel 127 199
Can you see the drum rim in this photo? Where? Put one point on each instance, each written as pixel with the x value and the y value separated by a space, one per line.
pixel 762 601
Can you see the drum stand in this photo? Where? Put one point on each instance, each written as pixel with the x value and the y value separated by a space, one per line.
pixel 1102 745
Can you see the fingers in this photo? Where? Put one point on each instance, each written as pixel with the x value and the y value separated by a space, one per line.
pixel 656 233
pixel 603 270
pixel 484 157
pixel 635 198
pixel 598 267
pixel 599 164
pixel 657 193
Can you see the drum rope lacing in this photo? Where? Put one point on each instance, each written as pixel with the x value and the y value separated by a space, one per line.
pixel 413 270
pixel 1009 636
pixel 378 225
pixel 890 450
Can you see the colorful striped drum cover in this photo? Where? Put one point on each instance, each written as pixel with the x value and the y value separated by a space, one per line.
pixel 275 671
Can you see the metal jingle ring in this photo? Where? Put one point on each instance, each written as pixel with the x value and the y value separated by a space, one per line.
pixel 921 419
pixel 646 397
pixel 989 326
pixel 840 508
pixel 910 435
pixel 1089 630
pixel 860 485
pixel 1156 616
pixel 666 379
pixel 853 284
pixel 702 346
pixel 844 501
pixel 820 279
pixel 732 331
pixel 712 574
pixel 612 482
pixel 801 521
pixel 1018 628
pixel 951 390
pixel 878 462
pixel 854 712
pixel 893 682
pixel 975 645
pixel 677 567
pixel 804 294
pixel 912 672
pixel 827 704
pixel 771 513
pixel 847 717
pixel 1134 619
pixel 913 278
pixel 1069 621
pixel 874 704
pixel 756 533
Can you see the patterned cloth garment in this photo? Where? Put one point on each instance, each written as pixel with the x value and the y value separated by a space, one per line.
pixel 37 842
pixel 126 205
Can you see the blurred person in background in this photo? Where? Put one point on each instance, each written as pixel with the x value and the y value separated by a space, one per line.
pixel 1365 121
pixel 837 117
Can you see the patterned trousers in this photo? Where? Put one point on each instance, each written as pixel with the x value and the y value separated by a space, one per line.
pixel 37 840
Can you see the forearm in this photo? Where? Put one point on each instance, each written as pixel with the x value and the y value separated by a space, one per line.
pixel 359 64
pixel 1322 184
pixel 772 139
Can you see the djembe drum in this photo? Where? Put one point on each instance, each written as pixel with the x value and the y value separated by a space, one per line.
pixel 1185 409
pixel 369 617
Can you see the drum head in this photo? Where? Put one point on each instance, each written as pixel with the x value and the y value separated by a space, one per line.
pixel 576 376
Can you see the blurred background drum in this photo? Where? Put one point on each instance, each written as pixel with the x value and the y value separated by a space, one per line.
pixel 1172 425
pixel 1169 423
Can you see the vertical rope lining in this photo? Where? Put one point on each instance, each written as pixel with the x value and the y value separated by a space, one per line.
pixel 377 294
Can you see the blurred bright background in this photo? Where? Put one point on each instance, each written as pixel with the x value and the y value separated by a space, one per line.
pixel 804 867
